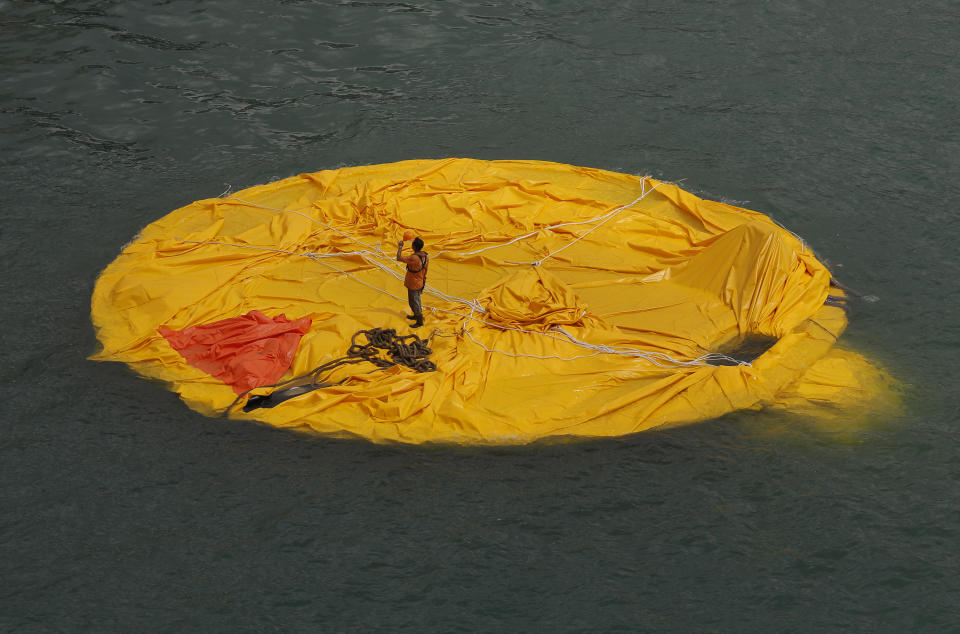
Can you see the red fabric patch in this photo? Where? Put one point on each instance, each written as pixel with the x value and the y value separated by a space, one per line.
pixel 243 352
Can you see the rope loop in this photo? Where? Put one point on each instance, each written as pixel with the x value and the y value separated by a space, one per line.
pixel 407 350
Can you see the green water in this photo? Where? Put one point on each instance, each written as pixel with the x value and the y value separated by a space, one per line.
pixel 124 511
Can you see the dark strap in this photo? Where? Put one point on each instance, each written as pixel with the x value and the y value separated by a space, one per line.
pixel 423 263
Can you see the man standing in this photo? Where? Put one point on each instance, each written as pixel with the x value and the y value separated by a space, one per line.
pixel 416 278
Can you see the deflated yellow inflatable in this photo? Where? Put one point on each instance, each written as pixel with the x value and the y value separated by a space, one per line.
pixel 560 301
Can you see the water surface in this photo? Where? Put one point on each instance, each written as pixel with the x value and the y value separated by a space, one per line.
pixel 125 511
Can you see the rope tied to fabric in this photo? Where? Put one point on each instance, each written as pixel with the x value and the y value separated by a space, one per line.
pixel 407 350
pixel 371 257
pixel 383 347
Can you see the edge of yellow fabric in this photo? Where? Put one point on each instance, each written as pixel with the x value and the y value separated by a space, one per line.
pixel 519 251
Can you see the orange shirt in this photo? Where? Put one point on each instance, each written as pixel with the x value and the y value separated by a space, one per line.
pixel 416 277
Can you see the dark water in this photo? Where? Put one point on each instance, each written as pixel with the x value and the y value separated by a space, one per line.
pixel 123 511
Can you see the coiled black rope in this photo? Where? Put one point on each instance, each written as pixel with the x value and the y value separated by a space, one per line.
pixel 409 350
pixel 383 348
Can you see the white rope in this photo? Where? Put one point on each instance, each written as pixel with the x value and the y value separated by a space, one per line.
pixel 313 256
pixel 370 252
pixel 659 359
pixel 370 257
pixel 528 356
pixel 654 357
pixel 803 244
pixel 603 219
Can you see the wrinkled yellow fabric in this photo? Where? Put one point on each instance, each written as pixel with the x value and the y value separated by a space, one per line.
pixel 671 276
pixel 533 299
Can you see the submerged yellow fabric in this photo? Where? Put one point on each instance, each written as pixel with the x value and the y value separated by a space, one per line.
pixel 561 300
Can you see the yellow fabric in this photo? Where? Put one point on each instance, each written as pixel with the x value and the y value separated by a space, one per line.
pixel 672 276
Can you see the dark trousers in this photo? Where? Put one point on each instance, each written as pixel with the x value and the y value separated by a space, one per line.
pixel 413 297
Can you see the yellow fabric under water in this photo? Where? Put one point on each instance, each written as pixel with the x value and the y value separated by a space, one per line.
pixel 529 261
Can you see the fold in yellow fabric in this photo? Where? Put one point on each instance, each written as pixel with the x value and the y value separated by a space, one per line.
pixel 560 301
